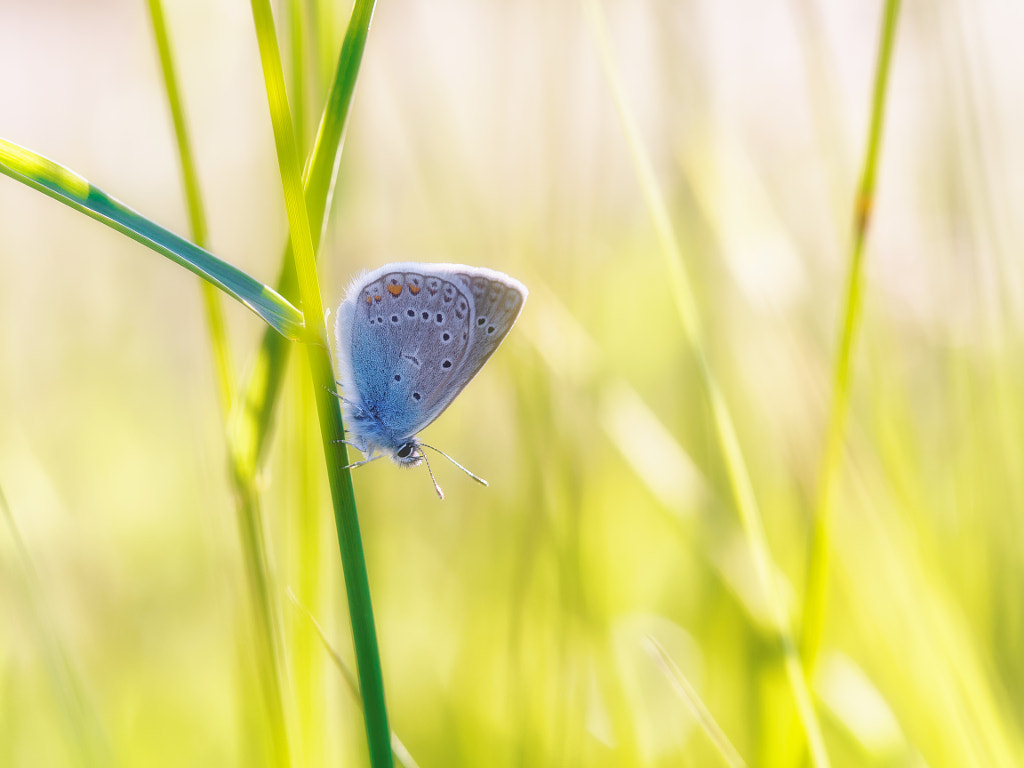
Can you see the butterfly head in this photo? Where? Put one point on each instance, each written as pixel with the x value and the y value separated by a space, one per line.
pixel 408 454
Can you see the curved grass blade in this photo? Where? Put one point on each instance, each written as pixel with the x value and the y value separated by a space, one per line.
pixel 71 189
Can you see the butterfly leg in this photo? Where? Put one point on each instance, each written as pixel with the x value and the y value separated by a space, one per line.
pixel 349 443
pixel 364 461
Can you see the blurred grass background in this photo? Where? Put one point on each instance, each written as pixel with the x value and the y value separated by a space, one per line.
pixel 513 620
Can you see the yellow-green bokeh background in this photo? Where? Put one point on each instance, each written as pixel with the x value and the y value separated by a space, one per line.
pixel 512 619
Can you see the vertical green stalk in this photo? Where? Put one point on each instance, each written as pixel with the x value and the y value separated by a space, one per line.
pixel 256 406
pixel 328 404
pixel 820 548
pixel 267 633
pixel 736 469
pixel 197 219
pixel 307 663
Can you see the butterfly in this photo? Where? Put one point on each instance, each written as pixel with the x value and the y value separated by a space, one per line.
pixel 410 336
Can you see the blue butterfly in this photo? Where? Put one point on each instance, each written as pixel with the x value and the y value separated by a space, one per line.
pixel 410 337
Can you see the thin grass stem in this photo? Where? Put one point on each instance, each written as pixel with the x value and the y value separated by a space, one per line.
pixel 223 365
pixel 328 405
pixel 398 749
pixel 257 404
pixel 267 630
pixel 695 704
pixel 813 621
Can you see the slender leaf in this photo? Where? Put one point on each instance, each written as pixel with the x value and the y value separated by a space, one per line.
pixel 266 633
pixel 71 189
pixel 215 324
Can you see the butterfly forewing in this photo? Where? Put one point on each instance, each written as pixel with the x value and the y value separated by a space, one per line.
pixel 408 335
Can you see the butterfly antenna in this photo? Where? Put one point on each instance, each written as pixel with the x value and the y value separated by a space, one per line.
pixel 440 493
pixel 453 461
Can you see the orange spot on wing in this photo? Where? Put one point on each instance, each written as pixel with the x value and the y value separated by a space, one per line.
pixel 376 297
pixel 394 289
pixel 369 300
pixel 413 289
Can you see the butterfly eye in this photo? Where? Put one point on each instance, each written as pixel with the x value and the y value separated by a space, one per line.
pixel 404 450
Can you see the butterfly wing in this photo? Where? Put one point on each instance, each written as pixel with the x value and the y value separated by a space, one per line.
pixel 497 301
pixel 411 336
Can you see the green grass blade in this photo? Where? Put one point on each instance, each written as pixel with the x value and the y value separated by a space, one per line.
pixel 322 168
pixel 817 575
pixel 296 41
pixel 328 404
pixel 739 476
pixel 401 754
pixel 692 699
pixel 253 419
pixel 266 631
pixel 267 637
pixel 223 364
pixel 71 189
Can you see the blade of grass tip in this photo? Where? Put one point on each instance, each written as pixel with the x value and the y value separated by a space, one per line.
pixel 401 754
pixel 267 629
pixel 813 620
pixel 257 405
pixel 328 405
pixel 693 701
pixel 67 187
pixel 92 747
pixel 223 365
pixel 736 469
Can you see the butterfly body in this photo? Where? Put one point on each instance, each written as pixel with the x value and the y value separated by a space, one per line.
pixel 410 336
